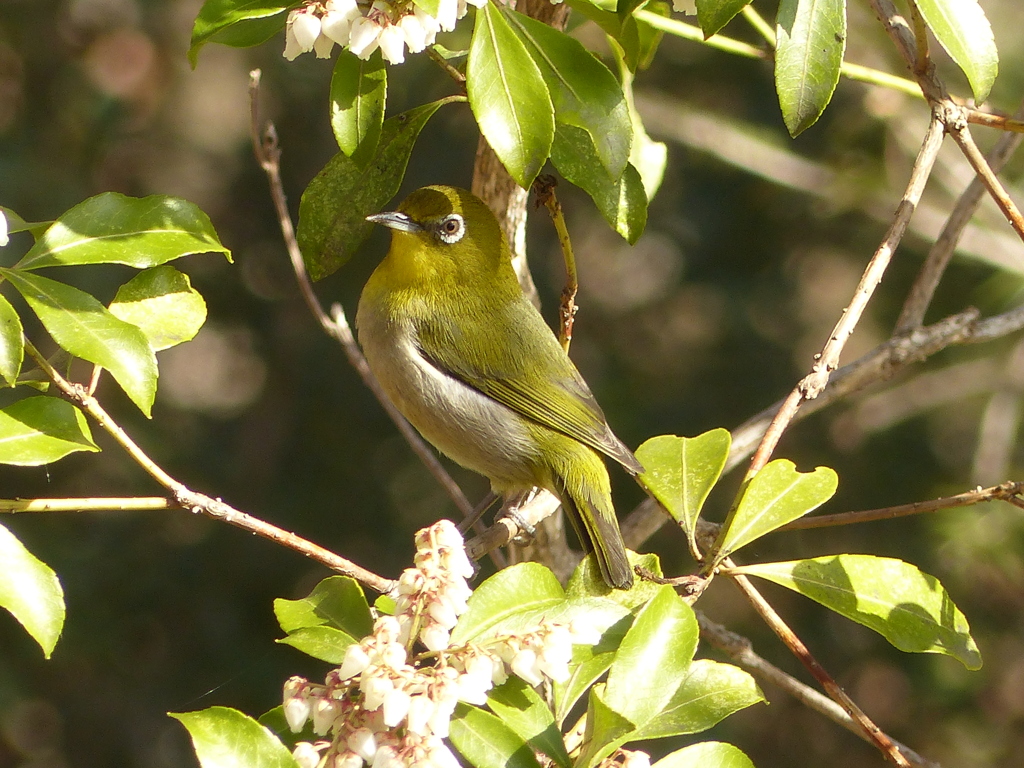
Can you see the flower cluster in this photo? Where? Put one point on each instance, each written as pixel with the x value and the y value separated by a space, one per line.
pixel 384 709
pixel 363 27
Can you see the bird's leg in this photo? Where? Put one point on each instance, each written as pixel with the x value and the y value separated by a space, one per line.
pixel 510 509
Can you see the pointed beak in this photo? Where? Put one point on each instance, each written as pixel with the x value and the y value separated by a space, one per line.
pixel 395 220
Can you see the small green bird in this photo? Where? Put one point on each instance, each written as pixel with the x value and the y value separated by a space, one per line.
pixel 472 365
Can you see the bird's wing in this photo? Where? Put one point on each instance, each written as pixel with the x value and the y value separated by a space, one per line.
pixel 559 400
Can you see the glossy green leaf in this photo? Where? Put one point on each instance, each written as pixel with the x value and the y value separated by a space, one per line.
pixel 358 95
pixel 17 224
pixel 775 496
pixel 649 157
pixel 334 207
pixel 585 94
pixel 86 329
pixel 12 342
pixel 324 643
pixel 523 710
pixel 275 721
pixel 511 591
pixel 238 23
pixel 906 606
pixel 116 229
pixel 588 663
pixel 225 738
pixel 606 730
pixel 41 430
pixel 337 601
pixel 707 754
pixel 709 693
pixel 163 304
pixel 622 202
pixel 486 742
pixel 587 581
pixel 653 658
pixel 962 28
pixel 712 15
pixel 508 97
pixel 681 471
pixel 811 40
pixel 30 590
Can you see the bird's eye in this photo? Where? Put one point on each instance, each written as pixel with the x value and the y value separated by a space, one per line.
pixel 451 228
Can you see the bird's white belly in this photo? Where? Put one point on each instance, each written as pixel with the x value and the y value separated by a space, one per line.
pixel 474 430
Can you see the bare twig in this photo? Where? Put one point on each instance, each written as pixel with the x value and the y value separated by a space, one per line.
pixel 199 503
pixel 815 382
pixel 107 504
pixel 962 136
pixel 923 289
pixel 740 650
pixel 268 153
pixel 1002 122
pixel 1003 492
pixel 544 187
pixel 873 733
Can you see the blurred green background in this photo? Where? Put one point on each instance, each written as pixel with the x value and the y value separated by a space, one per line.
pixel 753 247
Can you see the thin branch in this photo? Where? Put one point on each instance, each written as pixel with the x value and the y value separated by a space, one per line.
pixel 1002 492
pixel 962 136
pixel 873 733
pixel 544 187
pixel 729 45
pixel 446 65
pixel 108 504
pixel 199 503
pixel 1002 122
pixel 740 650
pixel 827 361
pixel 927 281
pixel 268 154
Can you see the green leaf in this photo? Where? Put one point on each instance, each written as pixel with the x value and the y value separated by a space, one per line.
pixel 707 754
pixel 712 15
pixel 653 658
pixel 225 738
pixel 324 643
pixel 511 591
pixel 337 601
pixel 275 720
pixel 41 430
pixel 906 606
pixel 334 207
pixel 587 581
pixel 238 23
pixel 585 94
pixel 811 37
pixel 606 730
pixel 622 202
pixel 487 742
pixel 116 229
pixel 163 304
pixel 86 329
pixel 430 6
pixel 775 496
pixel 358 94
pixel 12 342
pixel 588 663
pixel 649 157
pixel 523 710
pixel 17 224
pixel 709 693
pixel 681 471
pixel 964 32
pixel 508 97
pixel 30 590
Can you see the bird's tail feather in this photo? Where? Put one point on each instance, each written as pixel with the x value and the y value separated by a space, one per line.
pixel 598 530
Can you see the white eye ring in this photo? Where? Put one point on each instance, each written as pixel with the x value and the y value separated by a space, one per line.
pixel 451 228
